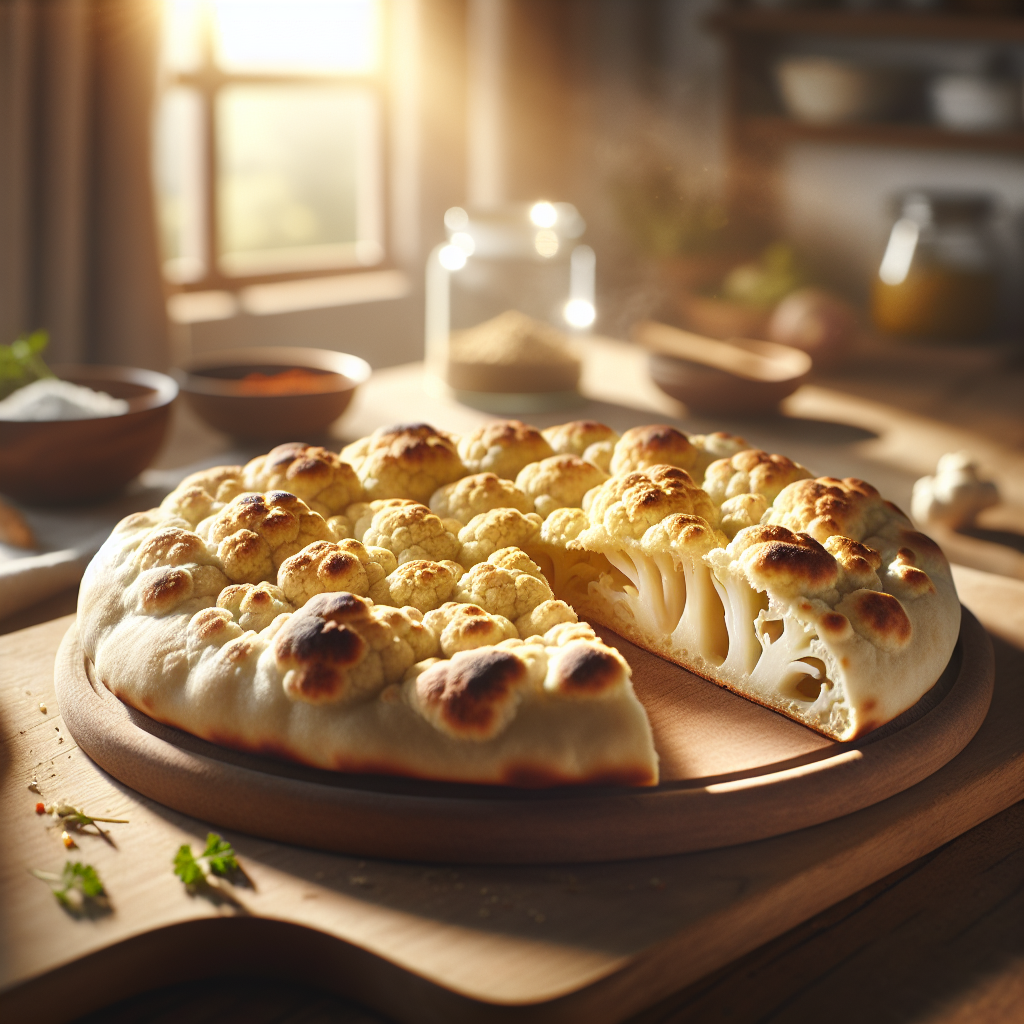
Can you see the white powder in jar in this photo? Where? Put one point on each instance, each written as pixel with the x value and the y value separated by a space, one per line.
pixel 53 399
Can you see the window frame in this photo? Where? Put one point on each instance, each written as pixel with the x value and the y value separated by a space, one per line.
pixel 207 80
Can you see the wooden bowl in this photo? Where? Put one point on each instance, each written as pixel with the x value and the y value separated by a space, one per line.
pixel 212 387
pixel 706 389
pixel 722 318
pixel 68 462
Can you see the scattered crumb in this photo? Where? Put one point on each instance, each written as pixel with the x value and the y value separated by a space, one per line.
pixel 42 707
pixel 60 739
pixel 33 786
pixel 68 842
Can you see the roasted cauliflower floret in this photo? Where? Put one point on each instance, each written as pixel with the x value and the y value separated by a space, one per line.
pixel 361 514
pixel 742 511
pixel 318 476
pixel 560 481
pixel 828 506
pixel 340 527
pixel 712 447
pixel 411 532
pixel 654 445
pixel 500 528
pixel 254 606
pixel 475 494
pixel 544 617
pixel 419 584
pixel 503 448
pixel 751 472
pixel 511 592
pixel 255 533
pixel 328 567
pixel 342 647
pixel 202 494
pixel 576 437
pixel 627 506
pixel 464 627
pixel 406 461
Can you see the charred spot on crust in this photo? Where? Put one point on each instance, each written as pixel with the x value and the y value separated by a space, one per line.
pixel 658 437
pixel 882 616
pixel 312 641
pixel 803 558
pixel 167 589
pixel 834 623
pixel 469 690
pixel 585 670
pixel 337 607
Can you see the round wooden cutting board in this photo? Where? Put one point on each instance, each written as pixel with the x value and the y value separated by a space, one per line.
pixel 732 772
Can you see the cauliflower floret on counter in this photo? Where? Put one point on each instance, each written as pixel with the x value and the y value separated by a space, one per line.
pixel 328 567
pixel 419 584
pixel 500 528
pixel 405 461
pixel 254 606
pixel 413 532
pixel 342 647
pixel 503 448
pixel 955 495
pixel 655 445
pixel 475 494
pixel 317 476
pixel 255 533
pixel 751 472
pixel 202 494
pixel 560 481
pixel 511 592
pixel 464 627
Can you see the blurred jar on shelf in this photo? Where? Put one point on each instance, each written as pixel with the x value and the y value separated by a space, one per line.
pixel 506 293
pixel 939 275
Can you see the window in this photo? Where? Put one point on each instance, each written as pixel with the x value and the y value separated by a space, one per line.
pixel 269 147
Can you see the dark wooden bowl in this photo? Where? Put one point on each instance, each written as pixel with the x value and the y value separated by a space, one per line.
pixel 69 462
pixel 211 387
pixel 708 390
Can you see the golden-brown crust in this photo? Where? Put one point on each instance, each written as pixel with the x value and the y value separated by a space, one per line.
pixel 828 506
pixel 315 474
pixel 791 563
pixel 585 670
pixel 576 437
pixel 878 617
pixel 752 471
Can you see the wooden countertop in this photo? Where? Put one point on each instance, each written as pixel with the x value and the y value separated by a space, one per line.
pixel 938 939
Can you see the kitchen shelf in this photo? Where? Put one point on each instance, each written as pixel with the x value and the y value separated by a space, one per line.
pixel 769 130
pixel 880 24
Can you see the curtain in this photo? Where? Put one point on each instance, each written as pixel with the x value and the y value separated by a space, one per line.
pixel 79 251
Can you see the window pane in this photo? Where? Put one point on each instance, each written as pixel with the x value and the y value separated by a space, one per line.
pixel 182 34
pixel 297 35
pixel 178 168
pixel 299 178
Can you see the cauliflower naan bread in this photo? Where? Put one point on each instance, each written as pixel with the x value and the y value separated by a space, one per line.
pixel 410 606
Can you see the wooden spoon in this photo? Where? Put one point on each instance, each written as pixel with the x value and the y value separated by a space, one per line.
pixel 763 361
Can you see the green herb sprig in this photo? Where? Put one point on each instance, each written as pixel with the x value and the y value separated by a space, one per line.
pixel 218 859
pixel 21 362
pixel 76 878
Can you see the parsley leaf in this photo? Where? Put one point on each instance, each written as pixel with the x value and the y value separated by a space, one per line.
pixel 76 878
pixel 218 858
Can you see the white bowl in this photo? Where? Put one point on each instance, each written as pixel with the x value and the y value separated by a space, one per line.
pixel 822 90
pixel 973 103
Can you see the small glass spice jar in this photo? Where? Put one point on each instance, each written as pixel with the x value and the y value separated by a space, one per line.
pixel 505 296
pixel 938 278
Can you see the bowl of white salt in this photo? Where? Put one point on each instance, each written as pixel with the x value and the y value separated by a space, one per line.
pixel 82 434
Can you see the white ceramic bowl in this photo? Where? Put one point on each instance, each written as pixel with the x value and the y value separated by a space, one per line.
pixel 822 90
pixel 974 103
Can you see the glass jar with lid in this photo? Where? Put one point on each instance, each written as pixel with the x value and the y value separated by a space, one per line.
pixel 938 277
pixel 505 296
